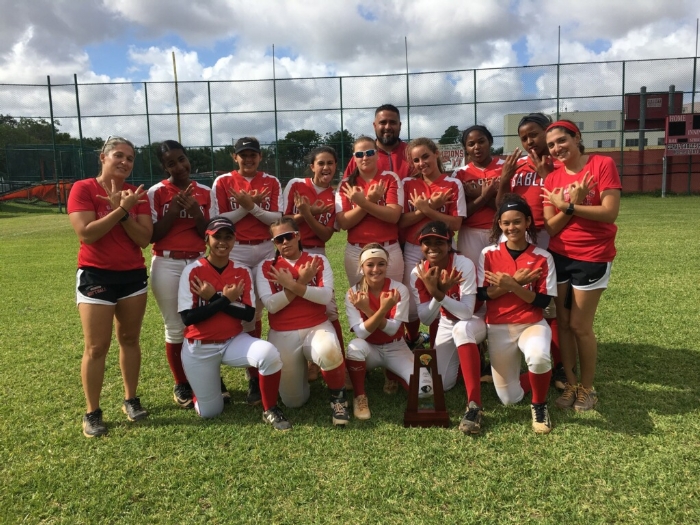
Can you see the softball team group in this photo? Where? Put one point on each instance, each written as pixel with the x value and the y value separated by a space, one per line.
pixel 524 275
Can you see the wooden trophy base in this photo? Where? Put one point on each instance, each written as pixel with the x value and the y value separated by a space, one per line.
pixel 425 417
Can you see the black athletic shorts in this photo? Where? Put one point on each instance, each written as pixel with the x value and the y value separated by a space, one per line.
pixel 98 286
pixel 581 274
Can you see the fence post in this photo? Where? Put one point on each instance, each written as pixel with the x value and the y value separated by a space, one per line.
pixel 342 132
pixel 408 96
pixel 148 131
pixel 53 146
pixel 211 130
pixel 80 128
pixel 475 119
pixel 622 130
pixel 274 96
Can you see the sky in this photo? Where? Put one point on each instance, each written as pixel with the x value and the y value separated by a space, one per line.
pixel 131 41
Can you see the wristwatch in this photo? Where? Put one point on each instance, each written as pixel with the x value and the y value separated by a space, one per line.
pixel 570 209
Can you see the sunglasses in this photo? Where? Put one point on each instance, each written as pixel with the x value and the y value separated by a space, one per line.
pixel 279 239
pixel 368 153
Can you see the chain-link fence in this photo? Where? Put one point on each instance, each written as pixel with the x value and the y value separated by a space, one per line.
pixel 290 116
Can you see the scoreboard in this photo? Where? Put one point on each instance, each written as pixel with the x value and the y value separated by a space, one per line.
pixel 683 134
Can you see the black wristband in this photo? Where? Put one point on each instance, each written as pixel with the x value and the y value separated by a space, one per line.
pixel 126 214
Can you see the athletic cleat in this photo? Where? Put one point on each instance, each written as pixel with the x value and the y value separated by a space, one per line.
pixel 182 394
pixel 225 394
pixel 418 342
pixel 93 426
pixel 486 373
pixel 559 377
pixel 361 407
pixel 339 408
pixel 567 398
pixel 313 371
pixel 133 409
pixel 276 418
pixel 253 397
pixel 541 423
pixel 471 421
pixel 586 399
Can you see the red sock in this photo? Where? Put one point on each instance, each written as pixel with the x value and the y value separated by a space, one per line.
pixel 173 351
pixel 540 386
pixel 339 334
pixel 335 379
pixel 253 372
pixel 554 347
pixel 269 389
pixel 357 371
pixel 433 331
pixel 412 329
pixel 525 382
pixel 391 375
pixel 471 370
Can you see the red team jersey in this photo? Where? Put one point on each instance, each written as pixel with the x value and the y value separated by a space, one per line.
pixel 467 287
pixel 481 219
pixel 306 188
pixel 370 228
pixel 395 161
pixel 509 308
pixel 398 312
pixel 249 228
pixel 115 250
pixel 585 239
pixel 220 326
pixel 183 235
pixel 456 208
pixel 300 313
pixel 528 184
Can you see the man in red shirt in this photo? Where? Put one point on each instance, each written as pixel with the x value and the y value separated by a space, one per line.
pixel 391 150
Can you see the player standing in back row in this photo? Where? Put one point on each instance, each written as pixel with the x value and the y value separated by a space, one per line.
pixel 252 200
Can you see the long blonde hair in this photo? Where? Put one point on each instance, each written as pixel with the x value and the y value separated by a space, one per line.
pixel 362 286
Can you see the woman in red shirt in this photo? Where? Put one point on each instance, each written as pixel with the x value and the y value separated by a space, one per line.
pixel 113 222
pixel 581 204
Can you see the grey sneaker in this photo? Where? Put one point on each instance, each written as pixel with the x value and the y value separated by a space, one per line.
pixel 541 423
pixel 93 426
pixel 586 399
pixel 471 421
pixel 276 418
pixel 133 409
pixel 568 397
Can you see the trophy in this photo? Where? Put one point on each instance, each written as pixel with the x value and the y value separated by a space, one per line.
pixel 426 404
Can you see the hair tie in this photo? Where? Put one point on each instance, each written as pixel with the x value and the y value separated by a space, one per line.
pixel 372 253
pixel 564 124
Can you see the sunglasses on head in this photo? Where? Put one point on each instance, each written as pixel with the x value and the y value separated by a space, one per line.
pixel 279 239
pixel 368 153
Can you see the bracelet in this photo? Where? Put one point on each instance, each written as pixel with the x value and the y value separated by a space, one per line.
pixel 126 214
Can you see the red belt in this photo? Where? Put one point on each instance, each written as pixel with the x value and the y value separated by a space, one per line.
pixel 207 341
pixel 388 243
pixel 177 254
pixel 253 243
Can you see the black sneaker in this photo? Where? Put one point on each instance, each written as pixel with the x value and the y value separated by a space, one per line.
pixel 182 394
pixel 133 409
pixel 276 418
pixel 253 397
pixel 486 375
pixel 339 408
pixel 225 394
pixel 541 423
pixel 471 421
pixel 559 377
pixel 93 425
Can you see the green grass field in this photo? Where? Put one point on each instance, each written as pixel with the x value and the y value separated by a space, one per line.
pixel 636 459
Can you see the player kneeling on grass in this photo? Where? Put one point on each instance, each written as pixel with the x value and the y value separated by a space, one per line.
pixel 214 297
pixel 295 287
pixel 377 308
pixel 444 285
pixel 517 280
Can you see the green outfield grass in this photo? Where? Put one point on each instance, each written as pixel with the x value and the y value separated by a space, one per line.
pixel 636 459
